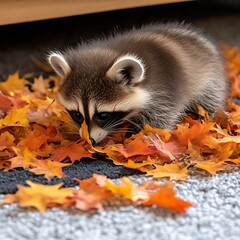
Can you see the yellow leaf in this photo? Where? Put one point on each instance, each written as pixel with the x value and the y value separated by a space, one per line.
pixel 237 161
pixel 49 168
pixel 13 85
pixel 227 139
pixel 212 166
pixel 171 171
pixel 127 189
pixel 40 196
pixel 25 159
pixel 135 165
pixel 16 118
pixel 40 86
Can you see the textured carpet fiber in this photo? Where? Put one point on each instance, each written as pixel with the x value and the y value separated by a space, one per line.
pixel 216 215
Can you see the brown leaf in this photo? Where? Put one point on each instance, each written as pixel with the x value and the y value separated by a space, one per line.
pixel 222 118
pixel 6 140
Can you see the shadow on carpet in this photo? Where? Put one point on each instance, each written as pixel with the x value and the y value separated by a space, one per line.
pixel 81 170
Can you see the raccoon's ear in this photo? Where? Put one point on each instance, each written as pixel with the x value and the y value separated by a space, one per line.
pixel 59 64
pixel 127 69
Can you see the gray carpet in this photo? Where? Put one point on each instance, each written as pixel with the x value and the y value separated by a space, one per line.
pixel 216 214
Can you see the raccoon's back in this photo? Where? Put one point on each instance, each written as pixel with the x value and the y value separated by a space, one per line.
pixel 180 60
pixel 183 69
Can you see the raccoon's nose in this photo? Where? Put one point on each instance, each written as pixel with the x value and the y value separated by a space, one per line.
pixel 92 141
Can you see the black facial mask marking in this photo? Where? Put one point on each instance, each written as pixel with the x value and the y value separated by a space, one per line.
pixel 106 119
pixel 76 116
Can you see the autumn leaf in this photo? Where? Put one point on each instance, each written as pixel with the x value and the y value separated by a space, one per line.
pixel 39 196
pixel 138 165
pixel 135 147
pixel 25 159
pixel 14 84
pixel 148 193
pixel 235 139
pixel 142 145
pixel 211 166
pixel 49 168
pixel 166 197
pixel 85 134
pixel 198 134
pixel 74 151
pixel 36 138
pixel 5 103
pixel 222 118
pixel 6 140
pixel 40 86
pixel 164 134
pixel 169 150
pixel 127 189
pixel 16 118
pixel 94 191
pixel 233 69
pixel 171 171
pixel 237 161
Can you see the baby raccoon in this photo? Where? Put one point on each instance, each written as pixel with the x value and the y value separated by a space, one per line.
pixel 155 75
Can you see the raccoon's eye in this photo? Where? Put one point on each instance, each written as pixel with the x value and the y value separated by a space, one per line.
pixel 76 116
pixel 108 118
pixel 103 116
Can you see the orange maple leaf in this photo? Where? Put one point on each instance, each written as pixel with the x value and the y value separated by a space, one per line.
pixel 74 151
pixel 198 134
pixel 37 137
pixel 92 193
pixel 165 196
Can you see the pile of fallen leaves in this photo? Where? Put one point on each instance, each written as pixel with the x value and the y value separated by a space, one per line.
pixel 94 191
pixel 37 134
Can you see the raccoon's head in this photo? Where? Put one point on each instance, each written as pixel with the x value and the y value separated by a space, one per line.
pixel 105 91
